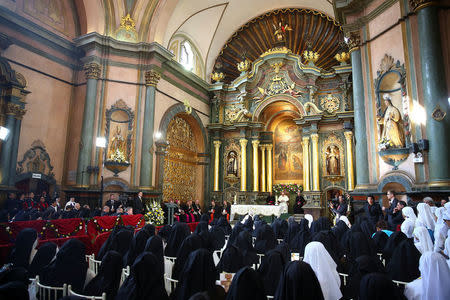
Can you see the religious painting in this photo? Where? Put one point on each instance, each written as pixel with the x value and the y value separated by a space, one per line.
pixel 231 162
pixel 288 156
pixel 50 12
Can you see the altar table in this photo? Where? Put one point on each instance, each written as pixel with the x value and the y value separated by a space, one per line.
pixel 265 210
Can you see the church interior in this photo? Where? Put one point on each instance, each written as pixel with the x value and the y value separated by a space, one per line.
pixel 307 125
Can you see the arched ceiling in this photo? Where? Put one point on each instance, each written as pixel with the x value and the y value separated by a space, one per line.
pixel 257 36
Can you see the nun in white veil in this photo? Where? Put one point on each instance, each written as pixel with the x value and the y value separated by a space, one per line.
pixel 422 239
pixel 408 228
pixel 408 213
pixel 346 221
pixel 433 281
pixel 447 248
pixel 325 269
pixel 441 229
pixel 425 217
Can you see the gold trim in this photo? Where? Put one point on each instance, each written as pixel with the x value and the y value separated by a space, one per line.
pixel 417 5
pixel 440 183
pixel 152 78
pixel 216 164
pixel 92 70
pixel 306 171
pixel 255 144
pixel 269 167
pixel 350 170
pixel 243 143
pixel 263 168
pixel 315 157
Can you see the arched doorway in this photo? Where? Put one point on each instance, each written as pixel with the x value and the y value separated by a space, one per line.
pixel 183 173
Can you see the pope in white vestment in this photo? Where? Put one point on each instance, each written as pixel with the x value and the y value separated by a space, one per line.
pixel 284 201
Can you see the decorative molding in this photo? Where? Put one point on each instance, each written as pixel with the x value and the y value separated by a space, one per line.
pixel 15 110
pixel 152 78
pixel 36 160
pixel 92 70
pixel 438 113
pixel 417 5
pixel 354 41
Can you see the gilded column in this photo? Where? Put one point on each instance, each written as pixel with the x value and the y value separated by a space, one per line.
pixel 306 177
pixel 434 91
pixel 243 143
pixel 255 144
pixel 269 167
pixel 263 168
pixel 92 72
pixel 216 164
pixel 315 161
pixel 362 160
pixel 350 174
pixel 146 175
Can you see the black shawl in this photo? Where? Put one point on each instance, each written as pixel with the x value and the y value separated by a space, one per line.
pixel 217 238
pixel 363 265
pixel 43 257
pixel 380 239
pixel 280 228
pixel 404 264
pixel 244 244
pixel 323 223
pixel 154 245
pixel 231 261
pixel 143 283
pixel 271 268
pixel 177 235
pixel 108 277
pixel 376 286
pixel 265 239
pixel 394 240
pixel 223 223
pixel 190 244
pixel 298 281
pixel 246 284
pixel 20 255
pixel 138 244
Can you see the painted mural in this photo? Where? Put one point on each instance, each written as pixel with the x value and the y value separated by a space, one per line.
pixel 288 157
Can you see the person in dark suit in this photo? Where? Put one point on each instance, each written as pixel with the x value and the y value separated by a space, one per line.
pixel 226 209
pixel 52 212
pixel 215 210
pixel 299 202
pixel 270 199
pixel 396 218
pixel 341 208
pixel 138 205
pixel 113 203
pixel 392 203
pixel 372 210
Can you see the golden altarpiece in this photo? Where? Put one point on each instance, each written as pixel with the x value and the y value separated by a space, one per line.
pixel 282 120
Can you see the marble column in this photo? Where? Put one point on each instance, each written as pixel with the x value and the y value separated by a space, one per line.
pixel 434 91
pixel 269 167
pixel 263 168
pixel 255 144
pixel 315 161
pixel 161 151
pixel 216 164
pixel 350 174
pixel 306 177
pixel 243 143
pixel 7 147
pixel 146 174
pixel 92 71
pixel 362 161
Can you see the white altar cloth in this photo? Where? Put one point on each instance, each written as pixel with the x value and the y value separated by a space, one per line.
pixel 265 210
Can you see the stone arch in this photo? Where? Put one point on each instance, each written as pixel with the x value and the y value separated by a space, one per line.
pixel 398 177
pixel 277 98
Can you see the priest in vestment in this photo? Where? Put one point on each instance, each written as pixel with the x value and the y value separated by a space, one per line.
pixel 283 200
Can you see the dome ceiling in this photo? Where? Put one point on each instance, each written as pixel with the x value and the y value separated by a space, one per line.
pixel 319 31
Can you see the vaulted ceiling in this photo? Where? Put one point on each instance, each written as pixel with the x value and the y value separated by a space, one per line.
pixel 318 30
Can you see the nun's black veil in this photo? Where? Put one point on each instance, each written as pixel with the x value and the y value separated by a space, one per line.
pixel 217 237
pixel 138 244
pixel 43 257
pixel 20 255
pixel 177 235
pixel 69 266
pixel 265 239
pixel 143 284
pixel 244 244
pixel 190 244
pixel 198 275
pixel 223 223
pixel 155 246
pixel 108 277
pixel 231 261
pixel 380 239
pixel 376 286
pixel 246 284
pixel 271 268
pixel 404 264
pixel 394 240
pixel 298 281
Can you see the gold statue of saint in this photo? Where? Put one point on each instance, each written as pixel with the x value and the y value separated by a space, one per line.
pixel 118 148
pixel 393 132
pixel 333 160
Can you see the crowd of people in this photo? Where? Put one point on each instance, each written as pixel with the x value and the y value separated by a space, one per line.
pixel 285 259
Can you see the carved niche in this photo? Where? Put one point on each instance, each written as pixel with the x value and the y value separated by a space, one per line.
pixel 333 167
pixel 36 160
pixel 231 163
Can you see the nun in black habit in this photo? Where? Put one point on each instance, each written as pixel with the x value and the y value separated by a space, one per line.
pixel 198 275
pixel 217 238
pixel 404 263
pixel 121 241
pixel 154 245
pixel 265 239
pixel 223 223
pixel 394 240
pixel 164 232
pixel 69 267
pixel 231 260
pixel 142 283
pixel 108 277
pixel 14 290
pixel 271 268
pixel 190 244
pixel 280 228
pixel 44 255
pixel 376 286
pixel 301 239
pixel 244 244
pixel 293 229
pixel 26 241
pixel 138 244
pixel 323 223
pixel 380 239
pixel 246 284
pixel 177 235
pixel 298 281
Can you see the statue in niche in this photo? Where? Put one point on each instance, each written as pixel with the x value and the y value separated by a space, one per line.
pixel 393 133
pixel 282 158
pixel 332 159
pixel 118 148
pixel 232 167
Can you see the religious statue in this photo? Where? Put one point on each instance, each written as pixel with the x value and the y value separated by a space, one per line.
pixel 393 133
pixel 118 148
pixel 232 167
pixel 332 159
pixel 282 158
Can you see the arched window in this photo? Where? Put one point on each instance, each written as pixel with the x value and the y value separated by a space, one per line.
pixel 187 55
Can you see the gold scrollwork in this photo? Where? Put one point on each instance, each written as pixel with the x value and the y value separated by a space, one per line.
pixel 152 78
pixel 330 103
pixel 92 70
pixel 15 110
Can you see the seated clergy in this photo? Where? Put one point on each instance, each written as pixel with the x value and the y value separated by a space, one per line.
pixel 270 199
